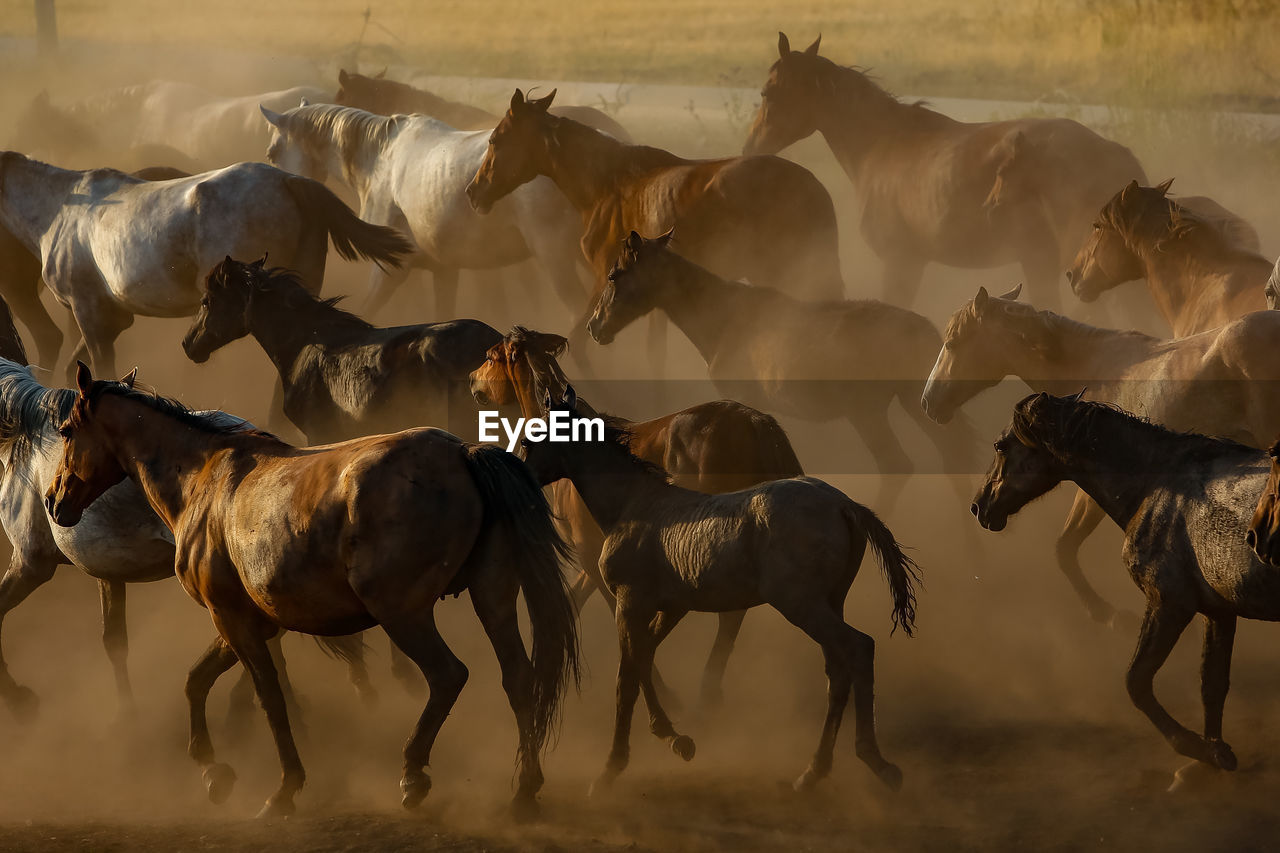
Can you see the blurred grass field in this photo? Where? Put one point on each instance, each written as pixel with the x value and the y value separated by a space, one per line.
pixel 1152 52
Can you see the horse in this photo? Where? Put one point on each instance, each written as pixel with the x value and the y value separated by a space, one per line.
pixel 410 173
pixel 120 540
pixel 1272 289
pixel 343 378
pixel 208 131
pixel 794 544
pixel 936 190
pixel 112 245
pixel 388 97
pixel 1200 273
pixel 1184 502
pixel 818 361
pixel 1219 382
pixel 761 218
pixel 714 447
pixel 1264 528
pixel 333 540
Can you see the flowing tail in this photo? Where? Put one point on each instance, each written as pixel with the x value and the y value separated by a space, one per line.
pixel 352 237
pixel 900 571
pixel 516 507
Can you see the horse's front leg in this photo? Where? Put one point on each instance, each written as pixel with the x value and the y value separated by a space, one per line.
pixel 22 578
pixel 115 639
pixel 217 659
pixel 648 637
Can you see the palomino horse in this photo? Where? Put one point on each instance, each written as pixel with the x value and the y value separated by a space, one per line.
pixel 153 119
pixel 1220 382
pixel 1184 501
pixel 933 189
pixel 342 377
pixel 1199 270
pixel 410 173
pixel 713 447
pixel 764 219
pixel 335 540
pixel 112 245
pixel 818 361
pixel 793 544
pixel 388 97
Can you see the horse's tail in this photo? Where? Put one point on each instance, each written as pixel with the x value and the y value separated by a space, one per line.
pixel 352 237
pixel 349 649
pixel 900 571
pixel 516 506
pixel 778 456
pixel 10 341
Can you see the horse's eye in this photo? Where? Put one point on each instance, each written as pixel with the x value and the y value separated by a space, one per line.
pixel 1097 226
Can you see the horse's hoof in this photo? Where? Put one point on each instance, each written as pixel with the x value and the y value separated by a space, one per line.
pixel 683 746
pixel 23 703
pixel 524 809
pixel 1223 757
pixel 806 783
pixel 1125 622
pixel 414 789
pixel 219 779
pixel 891 776
pixel 277 808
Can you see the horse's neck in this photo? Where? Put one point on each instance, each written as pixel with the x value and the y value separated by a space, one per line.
pixel 703 306
pixel 284 327
pixel 613 484
pixel 31 196
pixel 1176 279
pixel 587 165
pixel 854 124
pixel 353 153
pixel 1115 471
pixel 1061 357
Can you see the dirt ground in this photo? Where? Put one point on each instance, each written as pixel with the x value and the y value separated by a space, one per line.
pixel 1007 714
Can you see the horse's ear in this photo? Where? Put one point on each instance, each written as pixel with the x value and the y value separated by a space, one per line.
pixel 1078 396
pixel 784 45
pixel 1129 190
pixel 1163 187
pixel 227 260
pixel 517 101
pixel 260 262
pixel 812 50
pixel 272 117
pixel 343 76
pixel 665 239
pixel 544 104
pixel 129 378
pixel 550 343
pixel 980 300
pixel 84 379
pixel 1012 293
pixel 634 241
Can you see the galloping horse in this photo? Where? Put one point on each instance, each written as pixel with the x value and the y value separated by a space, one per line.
pixel 794 544
pixel 936 190
pixel 761 218
pixel 1184 502
pixel 410 173
pixel 335 540
pixel 1199 271
pixel 713 447
pixel 112 245
pixel 818 361
pixel 388 97
pixel 342 377
pixel 1220 382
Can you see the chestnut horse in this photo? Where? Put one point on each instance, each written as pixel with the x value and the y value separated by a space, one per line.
pixel 936 190
pixel 1184 502
pixel 819 361
pixel 713 447
pixel 795 545
pixel 335 540
pixel 388 97
pixel 1199 271
pixel 1221 382
pixel 764 219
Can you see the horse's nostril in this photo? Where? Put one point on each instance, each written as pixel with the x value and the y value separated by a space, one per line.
pixel 1251 538
pixel 1071 277
pixel 973 508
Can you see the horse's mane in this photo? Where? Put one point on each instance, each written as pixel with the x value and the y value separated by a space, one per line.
pixel 856 82
pixel 618 432
pixel 1151 216
pixel 1062 426
pixel 213 422
pixel 28 410
pixel 1051 323
pixel 347 126
pixel 287 288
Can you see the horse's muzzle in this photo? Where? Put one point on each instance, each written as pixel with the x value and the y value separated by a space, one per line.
pixel 475 195
pixel 59 513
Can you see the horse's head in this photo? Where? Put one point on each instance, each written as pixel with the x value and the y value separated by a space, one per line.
pixel 790 102
pixel 291 147
pixel 1272 288
pixel 1108 257
pixel 517 150
pixel 520 370
pixel 971 359
pixel 1024 468
pixel 224 309
pixel 88 466
pixel 1263 535
pixel 633 283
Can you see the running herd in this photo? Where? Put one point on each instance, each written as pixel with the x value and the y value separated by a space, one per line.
pixel 706 509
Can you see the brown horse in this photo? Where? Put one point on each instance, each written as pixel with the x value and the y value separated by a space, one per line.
pixel 1200 269
pixel 334 540
pixel 388 97
pixel 713 447
pixel 932 189
pixel 764 219
pixel 820 361
pixel 795 545
pixel 1263 535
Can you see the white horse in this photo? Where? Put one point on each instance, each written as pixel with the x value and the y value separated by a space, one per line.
pixel 411 173
pixel 112 246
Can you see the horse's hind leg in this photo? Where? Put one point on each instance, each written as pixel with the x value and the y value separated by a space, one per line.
pixel 217 659
pixel 406 673
pixel 1215 677
pixel 1084 518
pixel 101 322
pixel 115 638
pixel 628 690
pixel 21 579
pixel 712 694
pixel 647 635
